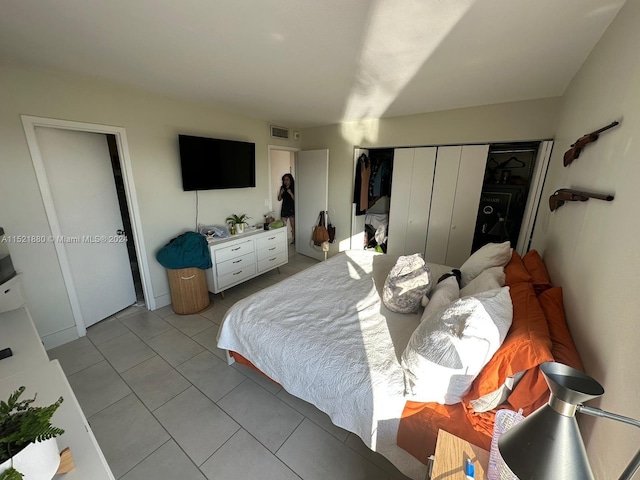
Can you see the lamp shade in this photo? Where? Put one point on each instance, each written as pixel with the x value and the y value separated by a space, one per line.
pixel 547 444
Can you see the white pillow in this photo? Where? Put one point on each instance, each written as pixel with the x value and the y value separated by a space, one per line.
pixel 450 347
pixel 442 295
pixel 489 255
pixel 490 279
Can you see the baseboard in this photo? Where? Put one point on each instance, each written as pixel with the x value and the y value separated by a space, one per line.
pixel 162 301
pixel 54 340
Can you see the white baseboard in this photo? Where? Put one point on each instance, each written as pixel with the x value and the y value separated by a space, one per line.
pixel 162 301
pixel 54 340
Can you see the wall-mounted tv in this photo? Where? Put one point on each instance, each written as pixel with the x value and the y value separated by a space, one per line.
pixel 212 163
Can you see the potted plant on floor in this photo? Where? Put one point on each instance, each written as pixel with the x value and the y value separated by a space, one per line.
pixel 237 222
pixel 27 439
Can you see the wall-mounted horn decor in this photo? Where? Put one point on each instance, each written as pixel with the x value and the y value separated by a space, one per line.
pixel 574 152
pixel 560 197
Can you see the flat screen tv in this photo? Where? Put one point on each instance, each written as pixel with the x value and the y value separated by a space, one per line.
pixel 212 163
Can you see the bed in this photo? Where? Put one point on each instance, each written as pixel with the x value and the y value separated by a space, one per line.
pixel 325 335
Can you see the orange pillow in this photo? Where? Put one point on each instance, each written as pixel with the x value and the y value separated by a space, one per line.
pixel 515 271
pixel 536 267
pixel 563 348
pixel 527 345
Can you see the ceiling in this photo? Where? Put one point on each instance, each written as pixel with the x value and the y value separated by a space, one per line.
pixel 301 63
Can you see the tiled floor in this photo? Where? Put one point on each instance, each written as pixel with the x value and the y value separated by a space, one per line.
pixel 164 405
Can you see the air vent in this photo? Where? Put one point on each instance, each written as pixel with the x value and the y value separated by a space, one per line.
pixel 279 132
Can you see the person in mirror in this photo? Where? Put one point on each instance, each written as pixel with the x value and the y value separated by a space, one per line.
pixel 286 195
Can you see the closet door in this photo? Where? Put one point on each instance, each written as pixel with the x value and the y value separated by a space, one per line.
pixel 411 188
pixel 456 195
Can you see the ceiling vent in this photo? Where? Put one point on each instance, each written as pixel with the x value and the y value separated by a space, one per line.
pixel 279 132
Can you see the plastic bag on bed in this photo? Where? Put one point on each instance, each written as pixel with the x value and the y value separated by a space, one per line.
pixel 408 281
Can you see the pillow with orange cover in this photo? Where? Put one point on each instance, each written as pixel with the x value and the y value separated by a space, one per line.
pixel 536 267
pixel 563 348
pixel 515 271
pixel 527 345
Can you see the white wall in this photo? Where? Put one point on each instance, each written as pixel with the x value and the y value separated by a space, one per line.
pixel 531 120
pixel 152 124
pixel 591 248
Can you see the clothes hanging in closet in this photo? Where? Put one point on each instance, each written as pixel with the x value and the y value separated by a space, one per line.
pixel 361 187
pixel 373 180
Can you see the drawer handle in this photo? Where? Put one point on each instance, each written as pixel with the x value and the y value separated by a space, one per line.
pixel 236 261
pixel 272 259
pixel 272 238
pixel 238 273
pixel 187 278
pixel 234 249
pixel 272 248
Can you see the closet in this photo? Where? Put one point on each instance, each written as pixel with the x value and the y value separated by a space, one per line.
pixel 446 202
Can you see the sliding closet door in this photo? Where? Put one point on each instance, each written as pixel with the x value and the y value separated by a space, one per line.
pixel 465 209
pixel 457 186
pixel 444 196
pixel 411 188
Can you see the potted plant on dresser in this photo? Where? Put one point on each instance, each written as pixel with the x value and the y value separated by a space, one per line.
pixel 28 449
pixel 237 222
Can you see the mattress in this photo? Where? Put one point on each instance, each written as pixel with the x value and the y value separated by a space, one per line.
pixel 326 337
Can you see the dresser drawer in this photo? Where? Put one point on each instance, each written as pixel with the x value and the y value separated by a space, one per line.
pixel 274 238
pixel 239 275
pixel 235 264
pixel 272 261
pixel 271 250
pixel 235 250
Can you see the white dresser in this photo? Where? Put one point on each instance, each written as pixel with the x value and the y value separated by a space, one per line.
pixel 238 258
pixel 30 366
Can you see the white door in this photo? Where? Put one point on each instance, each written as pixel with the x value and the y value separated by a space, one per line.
pixel 312 196
pixel 80 176
pixel 457 186
pixel 533 200
pixel 411 186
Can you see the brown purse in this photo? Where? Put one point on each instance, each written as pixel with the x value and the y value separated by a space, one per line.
pixel 320 233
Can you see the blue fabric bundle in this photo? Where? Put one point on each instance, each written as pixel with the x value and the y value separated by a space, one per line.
pixel 189 250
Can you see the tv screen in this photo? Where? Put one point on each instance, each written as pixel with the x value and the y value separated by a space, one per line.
pixel 212 163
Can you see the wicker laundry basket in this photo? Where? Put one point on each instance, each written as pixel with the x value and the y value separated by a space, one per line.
pixel 189 292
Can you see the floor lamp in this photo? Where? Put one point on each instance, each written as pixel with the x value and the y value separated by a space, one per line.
pixel 547 445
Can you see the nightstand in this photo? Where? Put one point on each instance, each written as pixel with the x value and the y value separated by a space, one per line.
pixel 451 455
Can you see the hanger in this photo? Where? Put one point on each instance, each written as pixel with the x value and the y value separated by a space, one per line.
pixel 518 163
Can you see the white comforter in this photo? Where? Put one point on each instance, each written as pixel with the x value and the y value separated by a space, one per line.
pixel 326 337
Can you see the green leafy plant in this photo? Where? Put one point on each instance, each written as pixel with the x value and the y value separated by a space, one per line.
pixel 237 219
pixel 22 424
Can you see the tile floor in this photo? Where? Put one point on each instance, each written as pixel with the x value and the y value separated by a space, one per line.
pixel 163 403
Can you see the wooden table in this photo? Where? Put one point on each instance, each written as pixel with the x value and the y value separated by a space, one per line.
pixel 451 455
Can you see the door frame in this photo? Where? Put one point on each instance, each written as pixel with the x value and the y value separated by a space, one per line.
pixel 269 149
pixel 293 150
pixel 30 123
pixel 535 195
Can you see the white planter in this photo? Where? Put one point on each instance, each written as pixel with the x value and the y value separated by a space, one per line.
pixel 38 461
pixel 239 227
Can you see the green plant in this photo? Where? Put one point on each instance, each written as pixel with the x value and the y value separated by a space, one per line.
pixel 237 219
pixel 22 424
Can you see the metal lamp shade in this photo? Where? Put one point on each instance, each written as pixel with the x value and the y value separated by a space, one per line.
pixel 547 444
